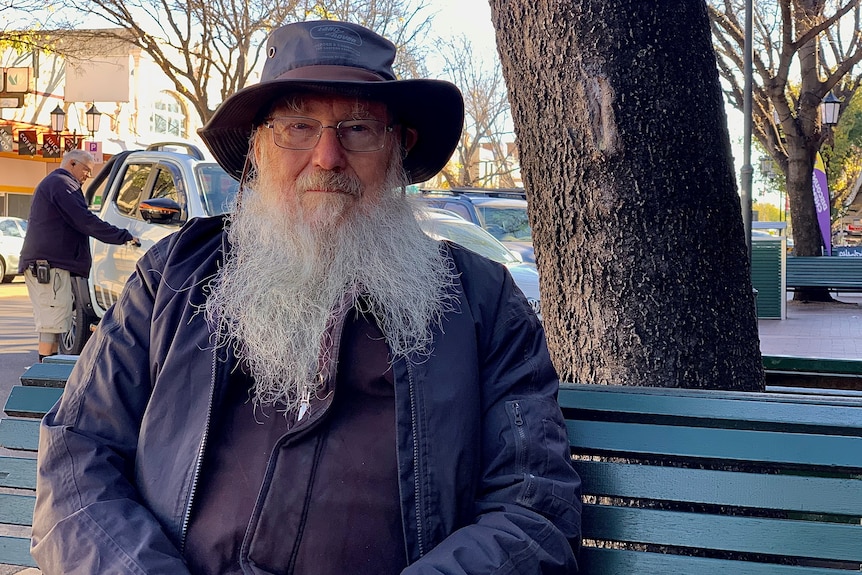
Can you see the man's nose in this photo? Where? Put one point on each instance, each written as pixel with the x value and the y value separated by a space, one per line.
pixel 328 153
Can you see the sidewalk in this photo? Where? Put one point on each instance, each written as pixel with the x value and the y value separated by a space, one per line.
pixel 828 330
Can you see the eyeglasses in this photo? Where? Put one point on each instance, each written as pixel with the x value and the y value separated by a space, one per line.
pixel 87 169
pixel 298 133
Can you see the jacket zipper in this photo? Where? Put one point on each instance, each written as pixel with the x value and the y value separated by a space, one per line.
pixel 519 426
pixel 200 456
pixel 416 464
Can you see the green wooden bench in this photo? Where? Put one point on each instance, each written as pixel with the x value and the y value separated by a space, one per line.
pixel 832 272
pixel 676 482
pixel 42 385
pixel 691 481
pixel 824 375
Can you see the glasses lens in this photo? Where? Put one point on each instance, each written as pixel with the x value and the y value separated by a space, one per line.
pixel 361 135
pixel 295 133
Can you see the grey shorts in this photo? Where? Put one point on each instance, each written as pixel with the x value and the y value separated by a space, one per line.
pixel 52 302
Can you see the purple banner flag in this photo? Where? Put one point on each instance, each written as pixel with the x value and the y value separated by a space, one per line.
pixel 822 202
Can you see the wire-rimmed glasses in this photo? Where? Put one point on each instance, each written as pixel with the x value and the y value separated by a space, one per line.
pixel 300 133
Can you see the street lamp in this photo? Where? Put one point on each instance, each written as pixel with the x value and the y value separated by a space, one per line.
pixel 58 119
pixel 829 110
pixel 94 118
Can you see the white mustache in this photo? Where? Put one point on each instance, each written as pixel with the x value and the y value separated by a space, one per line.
pixel 328 181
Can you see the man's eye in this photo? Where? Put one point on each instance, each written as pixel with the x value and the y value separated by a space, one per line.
pixel 300 127
pixel 359 128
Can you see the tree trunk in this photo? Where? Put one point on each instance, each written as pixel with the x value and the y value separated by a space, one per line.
pixel 636 222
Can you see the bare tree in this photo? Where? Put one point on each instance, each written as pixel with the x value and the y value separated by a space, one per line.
pixel 803 49
pixel 486 107
pixel 636 223
pixel 209 49
pixel 206 48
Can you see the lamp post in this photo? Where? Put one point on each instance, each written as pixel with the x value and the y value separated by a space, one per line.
pixel 829 108
pixel 94 118
pixel 747 170
pixel 58 119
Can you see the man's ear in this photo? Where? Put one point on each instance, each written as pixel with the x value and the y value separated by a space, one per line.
pixel 409 137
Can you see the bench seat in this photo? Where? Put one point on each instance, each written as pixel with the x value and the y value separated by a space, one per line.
pixel 692 481
pixel 47 374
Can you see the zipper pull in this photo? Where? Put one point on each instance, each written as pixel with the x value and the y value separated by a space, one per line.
pixel 304 403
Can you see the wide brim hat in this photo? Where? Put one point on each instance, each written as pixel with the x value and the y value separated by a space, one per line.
pixel 339 59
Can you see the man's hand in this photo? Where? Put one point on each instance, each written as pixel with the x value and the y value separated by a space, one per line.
pixel 134 242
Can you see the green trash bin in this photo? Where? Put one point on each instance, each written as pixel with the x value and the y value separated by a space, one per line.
pixel 768 254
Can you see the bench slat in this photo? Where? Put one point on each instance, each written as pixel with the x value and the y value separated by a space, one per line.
pixel 16 551
pixel 815 540
pixel 17 509
pixel 21 434
pixel 18 472
pixel 60 358
pixel 607 561
pixel 26 401
pixel 739 409
pixel 815 364
pixel 47 374
pixel 618 438
pixel 730 488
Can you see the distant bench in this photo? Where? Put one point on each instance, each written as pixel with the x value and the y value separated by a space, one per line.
pixel 41 387
pixel 835 273
pixel 675 481
pixel 823 376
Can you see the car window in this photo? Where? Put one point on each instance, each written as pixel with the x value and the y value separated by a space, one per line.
pixel 507 224
pixel 9 229
pixel 459 209
pixel 470 236
pixel 169 185
pixel 131 188
pixel 218 189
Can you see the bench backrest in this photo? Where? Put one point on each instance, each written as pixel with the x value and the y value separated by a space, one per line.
pixel 824 271
pixel 755 483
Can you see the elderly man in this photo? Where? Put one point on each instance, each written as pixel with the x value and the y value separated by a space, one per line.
pixel 57 246
pixel 311 385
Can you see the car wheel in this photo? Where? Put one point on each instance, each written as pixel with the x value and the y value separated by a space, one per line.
pixel 3 277
pixel 72 342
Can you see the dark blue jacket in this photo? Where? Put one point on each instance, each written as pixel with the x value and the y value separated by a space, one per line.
pixel 60 225
pixel 485 480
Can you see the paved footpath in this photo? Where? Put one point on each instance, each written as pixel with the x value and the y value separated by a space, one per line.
pixel 830 330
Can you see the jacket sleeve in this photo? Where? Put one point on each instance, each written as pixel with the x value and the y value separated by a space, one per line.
pixel 74 211
pixel 88 517
pixel 528 507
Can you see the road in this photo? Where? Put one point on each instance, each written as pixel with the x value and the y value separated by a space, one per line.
pixel 18 340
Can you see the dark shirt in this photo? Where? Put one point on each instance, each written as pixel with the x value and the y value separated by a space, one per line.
pixel 323 503
pixel 60 224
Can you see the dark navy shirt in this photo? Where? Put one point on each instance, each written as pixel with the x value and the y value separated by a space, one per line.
pixel 323 503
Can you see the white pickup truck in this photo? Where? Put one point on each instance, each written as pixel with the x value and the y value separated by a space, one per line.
pixel 151 193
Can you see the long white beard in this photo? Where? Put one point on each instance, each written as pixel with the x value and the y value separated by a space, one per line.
pixel 288 276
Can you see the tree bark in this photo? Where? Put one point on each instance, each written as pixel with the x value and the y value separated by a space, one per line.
pixel 636 222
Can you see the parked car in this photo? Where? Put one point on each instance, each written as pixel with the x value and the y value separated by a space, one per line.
pixel 502 213
pixel 444 225
pixel 151 193
pixel 12 232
